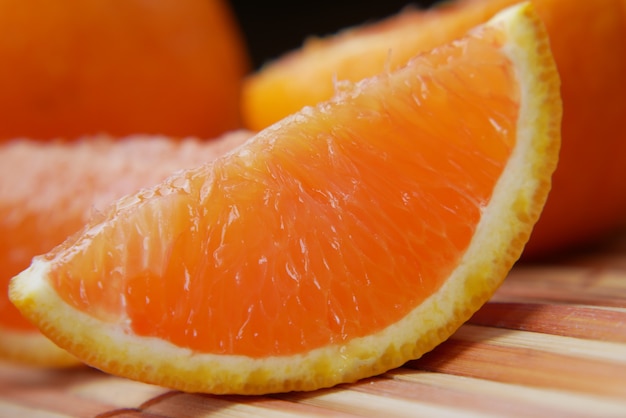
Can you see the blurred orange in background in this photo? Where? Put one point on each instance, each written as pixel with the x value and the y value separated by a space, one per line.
pixel 588 39
pixel 73 68
pixel 49 190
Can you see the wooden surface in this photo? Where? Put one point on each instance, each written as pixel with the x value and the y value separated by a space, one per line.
pixel 551 343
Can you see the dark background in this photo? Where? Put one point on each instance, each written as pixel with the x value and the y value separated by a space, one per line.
pixel 272 28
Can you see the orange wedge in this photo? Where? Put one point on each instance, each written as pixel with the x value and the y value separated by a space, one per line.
pixel 49 190
pixel 337 244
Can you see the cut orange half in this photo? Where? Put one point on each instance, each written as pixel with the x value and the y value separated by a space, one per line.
pixel 337 244
pixel 49 190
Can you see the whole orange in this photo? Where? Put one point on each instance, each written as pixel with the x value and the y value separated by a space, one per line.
pixel 72 68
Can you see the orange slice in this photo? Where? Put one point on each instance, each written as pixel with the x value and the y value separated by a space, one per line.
pixel 48 191
pixel 337 244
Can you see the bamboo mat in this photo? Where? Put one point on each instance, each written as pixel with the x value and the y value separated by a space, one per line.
pixel 551 343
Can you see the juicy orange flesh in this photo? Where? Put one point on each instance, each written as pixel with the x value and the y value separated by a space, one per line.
pixel 332 227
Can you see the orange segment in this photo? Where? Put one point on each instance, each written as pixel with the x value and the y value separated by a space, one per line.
pixel 49 191
pixel 339 243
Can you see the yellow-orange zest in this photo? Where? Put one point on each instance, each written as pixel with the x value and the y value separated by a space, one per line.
pixel 337 244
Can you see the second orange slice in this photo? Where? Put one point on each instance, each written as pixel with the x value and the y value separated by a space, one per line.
pixel 48 190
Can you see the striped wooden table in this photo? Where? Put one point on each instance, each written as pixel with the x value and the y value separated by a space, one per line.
pixel 551 343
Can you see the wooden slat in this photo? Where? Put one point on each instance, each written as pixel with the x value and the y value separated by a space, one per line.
pixel 117 392
pixel 43 390
pixel 525 366
pixel 378 404
pixel 570 320
pixel 565 346
pixel 11 409
pixel 197 406
pixel 593 286
pixel 504 399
